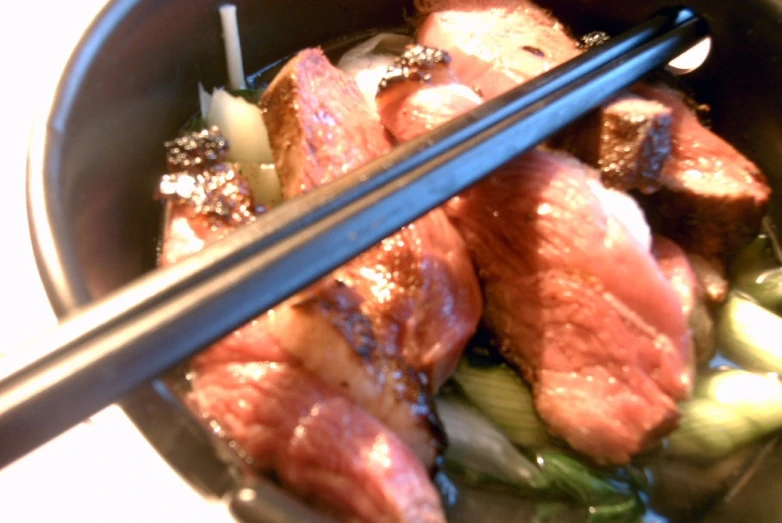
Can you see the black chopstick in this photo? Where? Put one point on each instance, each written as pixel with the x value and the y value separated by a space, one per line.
pixel 107 349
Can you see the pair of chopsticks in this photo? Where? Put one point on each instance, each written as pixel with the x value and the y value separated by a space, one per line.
pixel 102 352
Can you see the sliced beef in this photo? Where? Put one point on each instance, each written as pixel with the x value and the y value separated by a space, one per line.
pixel 496 44
pixel 323 330
pixel 676 267
pixel 320 126
pixel 421 292
pixel 321 444
pixel 712 198
pixel 607 360
pixel 712 277
pixel 417 288
pixel 329 334
pixel 680 270
pixel 236 379
pixel 388 328
pixel 629 140
pixel 579 305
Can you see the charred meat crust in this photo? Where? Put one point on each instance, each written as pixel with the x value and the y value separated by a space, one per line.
pixel 417 285
pixel 293 107
pixel 712 198
pixel 628 139
pixel 341 307
pixel 200 180
pixel 418 63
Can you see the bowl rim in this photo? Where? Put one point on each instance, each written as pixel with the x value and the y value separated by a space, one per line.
pixel 58 270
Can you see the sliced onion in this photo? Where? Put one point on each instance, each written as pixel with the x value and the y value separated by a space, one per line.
pixel 242 124
pixel 264 182
pixel 368 61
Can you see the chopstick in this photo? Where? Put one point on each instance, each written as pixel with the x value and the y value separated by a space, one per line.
pixel 103 351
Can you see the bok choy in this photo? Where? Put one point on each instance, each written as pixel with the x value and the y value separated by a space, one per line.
pixel 506 400
pixel 750 335
pixel 481 453
pixel 756 271
pixel 730 409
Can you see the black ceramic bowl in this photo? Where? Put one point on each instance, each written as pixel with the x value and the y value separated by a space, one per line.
pixel 131 83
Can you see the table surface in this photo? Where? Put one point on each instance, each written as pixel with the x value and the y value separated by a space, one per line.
pixel 102 470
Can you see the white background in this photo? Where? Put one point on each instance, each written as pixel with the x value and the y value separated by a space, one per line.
pixel 102 471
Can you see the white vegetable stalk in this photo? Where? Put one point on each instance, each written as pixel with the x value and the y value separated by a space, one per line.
pixel 499 393
pixel 750 335
pixel 730 409
pixel 205 101
pixel 264 182
pixel 242 125
pixel 368 62
pixel 233 47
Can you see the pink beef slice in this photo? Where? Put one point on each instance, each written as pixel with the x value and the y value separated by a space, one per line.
pixel 418 288
pixel 322 338
pixel 302 433
pixel 319 125
pixel 420 93
pixel 322 445
pixel 387 328
pixel 325 332
pixel 712 198
pixel 579 306
pixel 676 267
pixel 628 140
pixel 495 44
pixel 694 293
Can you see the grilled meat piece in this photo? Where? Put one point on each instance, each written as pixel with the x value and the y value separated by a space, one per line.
pixel 680 270
pixel 628 139
pixel 321 444
pixel 319 125
pixel 324 331
pixel 236 385
pixel 496 44
pixel 579 305
pixel 607 360
pixel 418 287
pixel 677 269
pixel 413 86
pixel 712 198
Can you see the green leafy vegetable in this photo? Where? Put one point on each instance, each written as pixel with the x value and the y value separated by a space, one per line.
pixel 506 400
pixel 750 335
pixel 730 409
pixel 479 449
pixel 250 95
pixel 756 271
pixel 194 125
pixel 481 453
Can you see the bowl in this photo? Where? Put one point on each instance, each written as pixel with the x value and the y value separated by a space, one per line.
pixel 131 83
